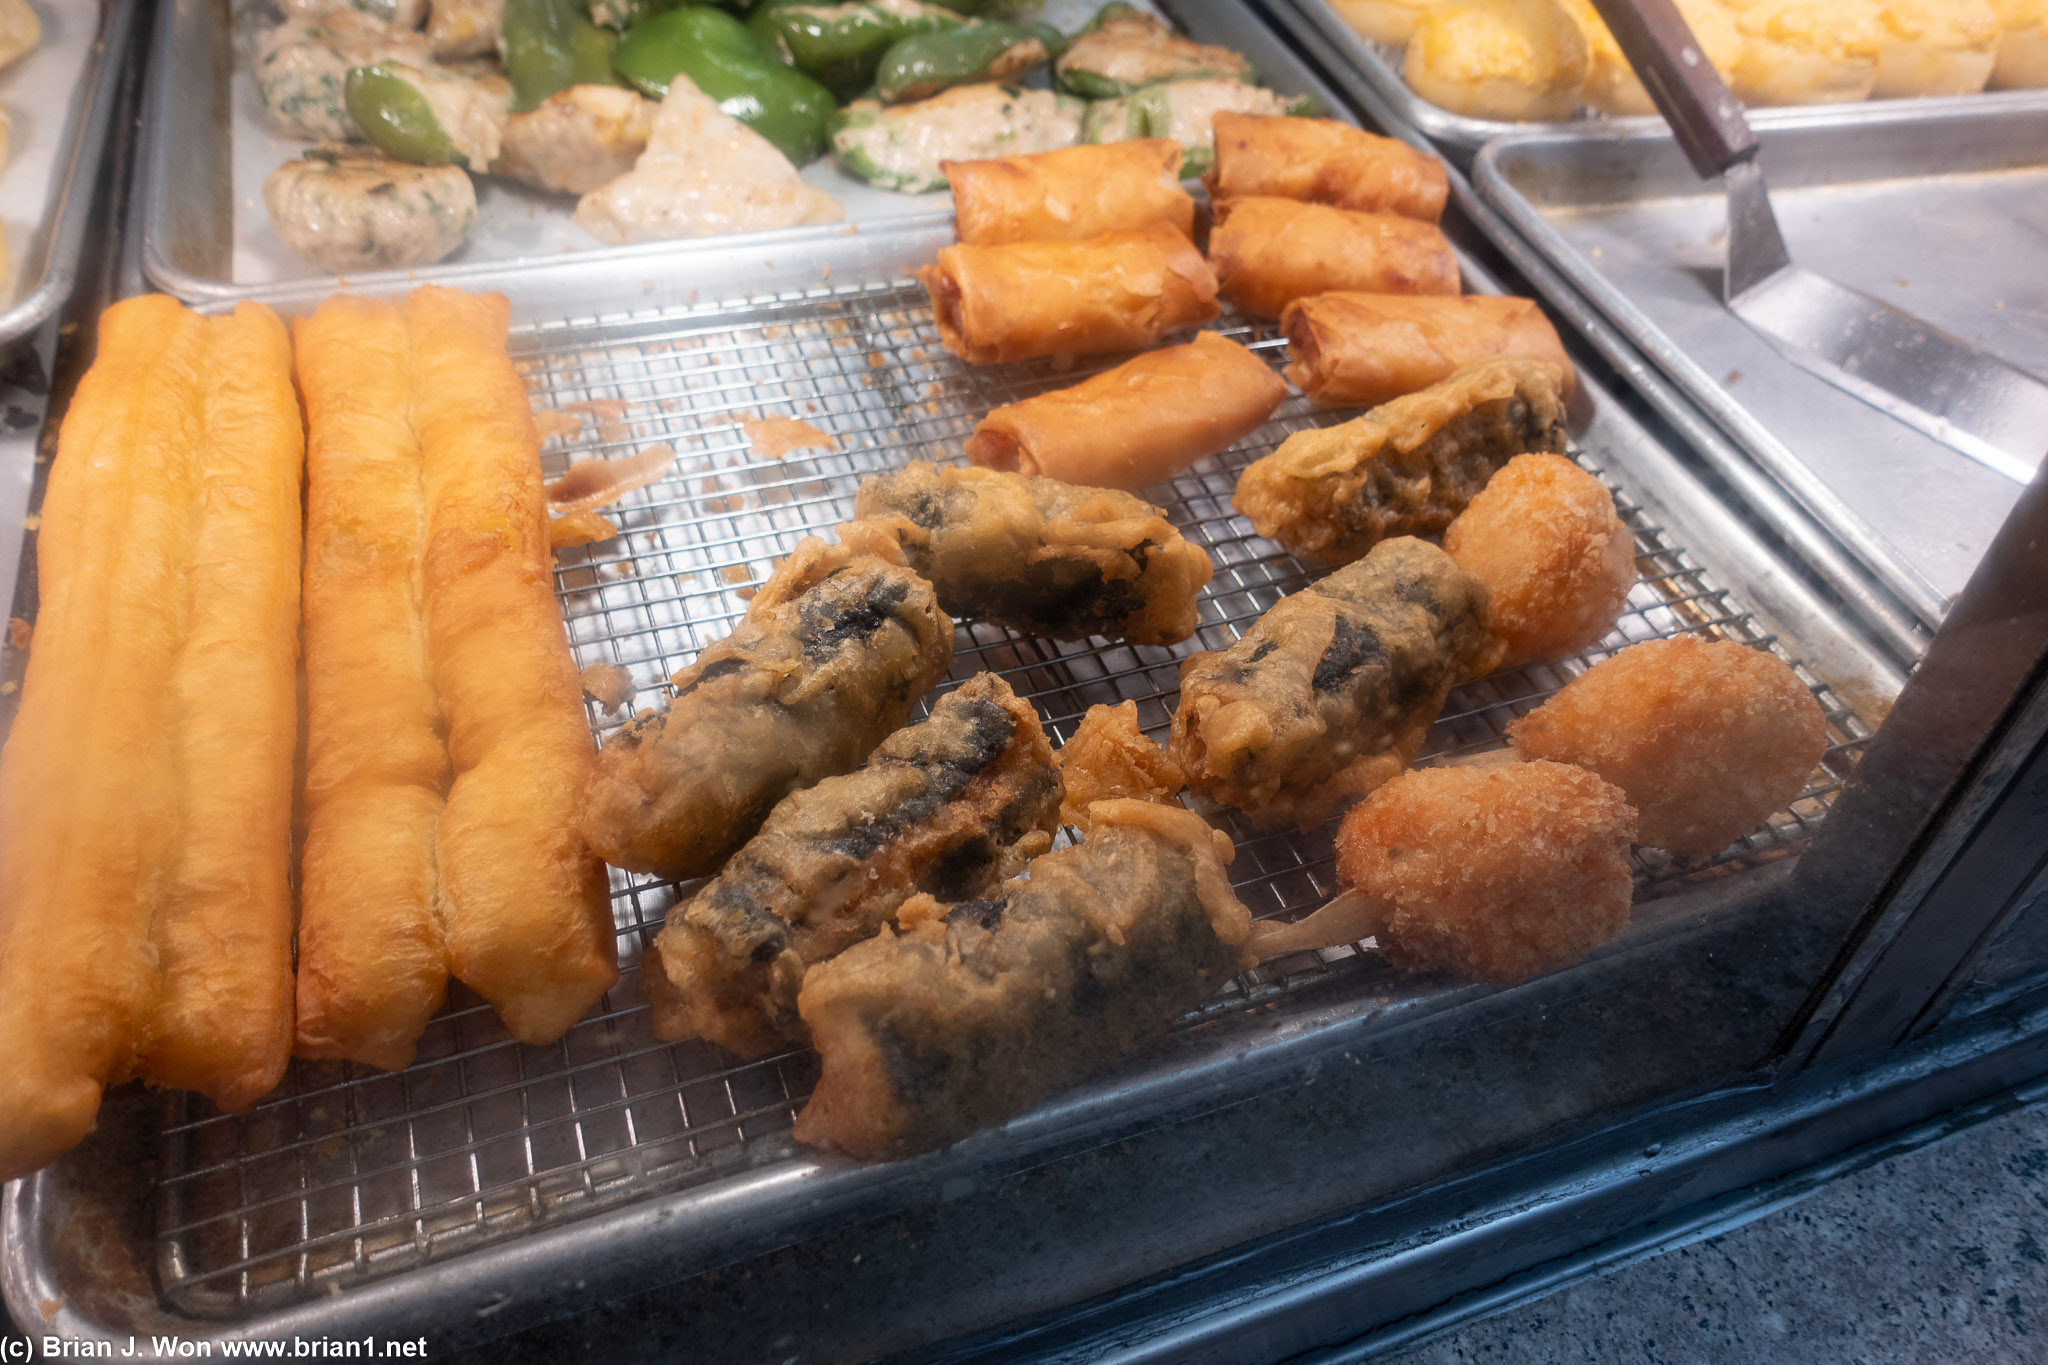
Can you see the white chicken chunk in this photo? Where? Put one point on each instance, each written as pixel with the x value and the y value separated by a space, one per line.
pixel 301 65
pixel 349 208
pixel 703 174
pixel 465 28
pixel 576 140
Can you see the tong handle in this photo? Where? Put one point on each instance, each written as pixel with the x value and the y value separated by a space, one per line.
pixel 1704 117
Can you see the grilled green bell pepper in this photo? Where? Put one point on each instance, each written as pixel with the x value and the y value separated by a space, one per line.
pixel 733 67
pixel 918 67
pixel 1122 50
pixel 396 119
pixel 550 45
pixel 840 45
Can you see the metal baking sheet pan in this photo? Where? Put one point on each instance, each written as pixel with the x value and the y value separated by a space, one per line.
pixel 1379 66
pixel 60 99
pixel 206 234
pixel 1942 214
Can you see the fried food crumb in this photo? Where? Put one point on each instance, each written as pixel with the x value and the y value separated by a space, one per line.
pixel 583 527
pixel 774 437
pixel 1706 737
pixel 609 685
pixel 1109 757
pixel 1495 872
pixel 19 633
pixel 556 423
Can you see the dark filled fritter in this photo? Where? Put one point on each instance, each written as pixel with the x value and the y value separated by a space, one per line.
pixel 1406 468
pixel 833 652
pixel 948 807
pixel 1330 693
pixel 1041 556
pixel 974 1011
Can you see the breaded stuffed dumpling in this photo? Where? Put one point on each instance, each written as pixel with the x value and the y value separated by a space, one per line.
pixel 1499 59
pixel 1806 51
pixel 1935 47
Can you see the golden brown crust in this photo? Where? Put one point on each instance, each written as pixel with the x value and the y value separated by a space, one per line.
pixel 1108 758
pixel 1325 162
pixel 1706 737
pixel 1138 424
pixel 1268 252
pixel 1118 291
pixel 1070 194
pixel 1374 348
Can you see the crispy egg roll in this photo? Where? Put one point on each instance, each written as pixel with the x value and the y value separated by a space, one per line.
pixel 1331 692
pixel 1409 467
pixel 833 652
pixel 1269 252
pixel 974 1011
pixel 1040 556
pixel 1372 348
pixel 1070 194
pixel 1325 162
pixel 1138 424
pixel 1117 291
pixel 223 1023
pixel 373 957
pixel 527 915
pixel 949 807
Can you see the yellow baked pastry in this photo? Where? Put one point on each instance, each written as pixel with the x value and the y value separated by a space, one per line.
pixel 1806 51
pixel 20 30
pixel 1499 59
pixel 2022 61
pixel 1935 47
pixel 1613 86
pixel 1381 21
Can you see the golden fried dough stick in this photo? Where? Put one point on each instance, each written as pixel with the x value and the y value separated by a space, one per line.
pixel 1071 193
pixel 1329 494
pixel 87 800
pixel 948 807
pixel 1557 562
pixel 1707 737
pixel 1373 348
pixel 834 650
pixel 1267 252
pixel 1497 872
pixel 975 1011
pixel 223 1023
pixel 528 921
pixel 1325 162
pixel 1041 556
pixel 373 964
pixel 1331 692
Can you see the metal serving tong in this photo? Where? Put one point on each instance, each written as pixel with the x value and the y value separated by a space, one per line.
pixel 1963 397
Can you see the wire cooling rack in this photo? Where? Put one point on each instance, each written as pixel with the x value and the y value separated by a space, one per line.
pixel 346 1173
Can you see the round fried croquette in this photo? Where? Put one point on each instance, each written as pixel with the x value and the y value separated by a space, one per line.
pixel 1497 872
pixel 1707 737
pixel 1556 560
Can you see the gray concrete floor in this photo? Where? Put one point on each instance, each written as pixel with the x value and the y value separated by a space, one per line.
pixel 1937 1255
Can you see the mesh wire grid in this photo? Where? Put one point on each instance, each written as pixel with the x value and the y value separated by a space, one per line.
pixel 347 1173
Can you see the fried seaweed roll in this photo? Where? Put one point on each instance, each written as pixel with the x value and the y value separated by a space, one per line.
pixel 1330 693
pixel 974 1011
pixel 1406 468
pixel 833 652
pixel 949 807
pixel 1041 556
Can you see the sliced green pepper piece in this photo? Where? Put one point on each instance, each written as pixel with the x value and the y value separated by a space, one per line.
pixel 396 119
pixel 733 67
pixel 1075 74
pixel 840 45
pixel 550 45
pixel 921 66
pixel 1114 10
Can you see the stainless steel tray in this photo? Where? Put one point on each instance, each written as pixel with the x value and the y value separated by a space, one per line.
pixel 206 235
pixel 61 98
pixel 1943 213
pixel 1379 66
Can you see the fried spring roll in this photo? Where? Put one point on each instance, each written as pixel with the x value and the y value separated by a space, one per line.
pixel 1040 556
pixel 373 960
pixel 1070 194
pixel 1331 692
pixel 1325 162
pixel 948 807
pixel 1118 291
pixel 834 650
pixel 1138 424
pixel 1408 467
pixel 1372 348
pixel 529 923
pixel 223 1024
pixel 975 1011
pixel 1269 252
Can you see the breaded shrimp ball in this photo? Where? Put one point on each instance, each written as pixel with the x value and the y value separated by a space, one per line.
pixel 1706 737
pixel 1497 872
pixel 1556 560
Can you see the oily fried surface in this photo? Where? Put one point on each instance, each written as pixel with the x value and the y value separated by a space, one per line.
pixel 1556 560
pixel 1707 737
pixel 1496 872
pixel 1110 757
